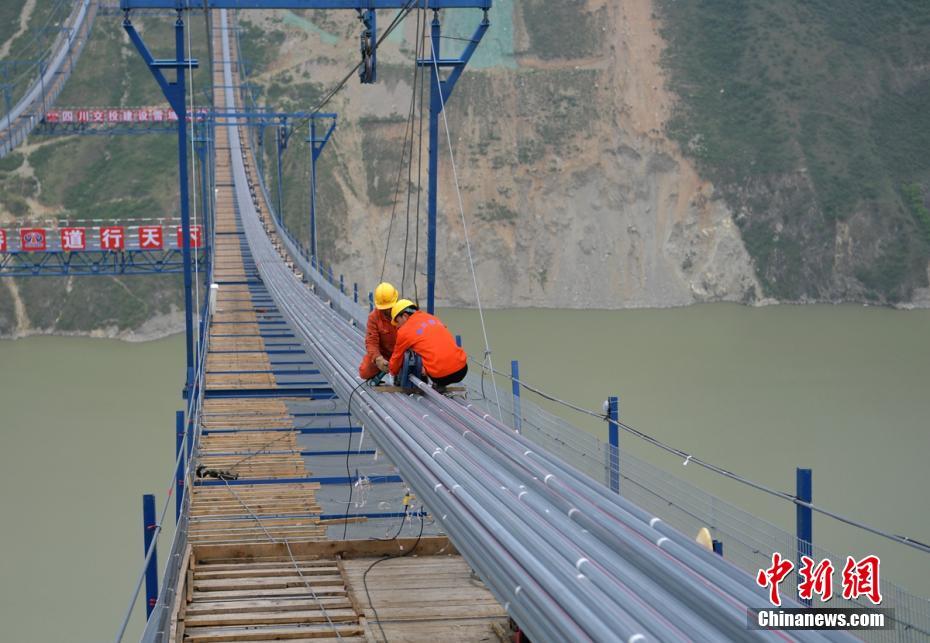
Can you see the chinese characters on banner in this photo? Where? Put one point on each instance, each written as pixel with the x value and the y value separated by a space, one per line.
pixel 73 239
pixel 120 116
pixel 150 237
pixel 110 238
pixel 196 236
pixel 859 577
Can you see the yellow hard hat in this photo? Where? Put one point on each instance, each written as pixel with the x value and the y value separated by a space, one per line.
pixel 400 307
pixel 385 296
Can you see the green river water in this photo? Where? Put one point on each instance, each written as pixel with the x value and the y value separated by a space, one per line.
pixel 87 428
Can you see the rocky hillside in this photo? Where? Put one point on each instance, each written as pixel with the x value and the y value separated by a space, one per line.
pixel 810 119
pixel 610 154
pixel 573 194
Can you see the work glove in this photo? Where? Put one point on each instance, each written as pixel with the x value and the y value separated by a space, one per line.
pixel 381 363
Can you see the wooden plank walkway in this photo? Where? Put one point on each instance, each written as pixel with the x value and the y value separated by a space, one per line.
pixel 254 593
pixel 238 360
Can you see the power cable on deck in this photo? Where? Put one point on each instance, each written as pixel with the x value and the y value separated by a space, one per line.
pixel 290 554
pixel 381 560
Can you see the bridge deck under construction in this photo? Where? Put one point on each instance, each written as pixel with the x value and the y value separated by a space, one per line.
pixel 267 557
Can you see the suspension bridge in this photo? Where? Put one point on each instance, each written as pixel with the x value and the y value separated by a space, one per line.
pixel 310 505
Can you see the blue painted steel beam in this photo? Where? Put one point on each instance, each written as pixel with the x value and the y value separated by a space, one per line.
pixel 281 345
pixel 375 515
pixel 94 263
pixel 515 389
pixel 268 352
pixel 805 517
pixel 613 433
pixel 314 430
pixel 267 372
pixel 268 116
pixel 361 5
pixel 176 92
pixel 323 480
pixel 321 414
pixel 151 572
pixel 305 454
pixel 317 393
pixel 291 516
pixel 266 322
pixel 262 335
pixel 182 463
pixel 439 93
pixel 202 146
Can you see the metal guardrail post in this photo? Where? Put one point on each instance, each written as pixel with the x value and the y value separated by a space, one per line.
pixel 179 474
pixel 355 292
pixel 342 284
pixel 805 517
pixel 190 440
pixel 151 572
pixel 613 433
pixel 515 387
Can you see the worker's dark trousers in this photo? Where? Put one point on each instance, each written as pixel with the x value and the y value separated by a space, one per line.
pixel 457 376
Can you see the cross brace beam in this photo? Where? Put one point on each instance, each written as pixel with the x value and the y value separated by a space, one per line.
pixel 360 5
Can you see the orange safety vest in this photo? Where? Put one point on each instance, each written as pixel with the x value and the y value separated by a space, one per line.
pixel 379 337
pixel 432 341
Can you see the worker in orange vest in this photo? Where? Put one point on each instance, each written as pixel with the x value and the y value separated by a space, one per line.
pixel 380 334
pixel 444 362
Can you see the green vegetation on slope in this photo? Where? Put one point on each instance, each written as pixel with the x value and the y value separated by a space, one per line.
pixel 101 177
pixel 30 45
pixel 7 311
pixel 119 178
pixel 811 118
pixel 564 29
pixel 9 18
pixel 85 303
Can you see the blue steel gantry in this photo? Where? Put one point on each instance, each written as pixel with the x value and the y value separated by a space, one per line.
pixel 95 263
pixel 440 88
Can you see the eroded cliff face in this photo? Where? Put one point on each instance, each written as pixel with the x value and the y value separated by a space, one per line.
pixel 573 195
